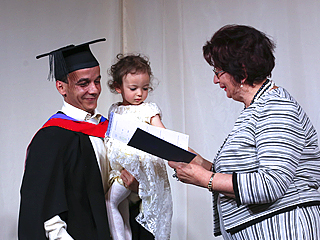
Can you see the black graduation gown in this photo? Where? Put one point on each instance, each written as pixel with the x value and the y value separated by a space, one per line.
pixel 62 178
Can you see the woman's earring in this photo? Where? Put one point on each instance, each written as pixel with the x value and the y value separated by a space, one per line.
pixel 241 85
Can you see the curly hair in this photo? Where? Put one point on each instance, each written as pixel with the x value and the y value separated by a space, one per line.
pixel 242 51
pixel 131 63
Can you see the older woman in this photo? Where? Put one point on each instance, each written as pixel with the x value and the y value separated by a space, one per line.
pixel 266 174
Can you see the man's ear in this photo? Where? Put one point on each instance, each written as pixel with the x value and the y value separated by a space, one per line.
pixel 61 87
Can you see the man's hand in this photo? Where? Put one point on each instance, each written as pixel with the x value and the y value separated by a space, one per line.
pixel 129 181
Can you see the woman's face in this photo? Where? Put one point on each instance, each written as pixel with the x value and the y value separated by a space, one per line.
pixel 229 85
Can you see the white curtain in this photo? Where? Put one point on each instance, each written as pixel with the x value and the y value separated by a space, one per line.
pixel 171 33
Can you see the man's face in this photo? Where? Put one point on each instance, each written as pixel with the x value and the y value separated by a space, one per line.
pixel 83 88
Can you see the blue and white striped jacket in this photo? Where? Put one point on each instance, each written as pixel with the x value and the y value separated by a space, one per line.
pixel 274 157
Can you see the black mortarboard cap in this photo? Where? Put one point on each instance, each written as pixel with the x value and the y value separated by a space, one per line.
pixel 68 59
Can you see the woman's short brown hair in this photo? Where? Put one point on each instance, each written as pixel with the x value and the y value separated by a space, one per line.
pixel 242 51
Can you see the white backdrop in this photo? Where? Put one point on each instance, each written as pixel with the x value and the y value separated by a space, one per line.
pixel 172 34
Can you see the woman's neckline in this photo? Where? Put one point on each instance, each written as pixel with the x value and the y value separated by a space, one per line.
pixel 265 87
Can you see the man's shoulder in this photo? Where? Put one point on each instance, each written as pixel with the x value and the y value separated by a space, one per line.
pixel 54 136
pixel 56 131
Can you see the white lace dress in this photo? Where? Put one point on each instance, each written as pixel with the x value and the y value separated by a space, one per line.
pixel 149 170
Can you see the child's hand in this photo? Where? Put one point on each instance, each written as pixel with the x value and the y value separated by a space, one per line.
pixel 129 181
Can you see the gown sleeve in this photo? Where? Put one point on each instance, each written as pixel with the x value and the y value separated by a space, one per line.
pixel 43 186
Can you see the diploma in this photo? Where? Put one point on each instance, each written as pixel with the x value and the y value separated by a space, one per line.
pixel 164 143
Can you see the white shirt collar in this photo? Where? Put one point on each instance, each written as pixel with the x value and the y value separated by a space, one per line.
pixel 80 114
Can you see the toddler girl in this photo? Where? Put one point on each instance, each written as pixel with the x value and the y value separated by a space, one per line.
pixel 131 78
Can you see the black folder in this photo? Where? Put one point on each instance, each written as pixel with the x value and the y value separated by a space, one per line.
pixel 149 143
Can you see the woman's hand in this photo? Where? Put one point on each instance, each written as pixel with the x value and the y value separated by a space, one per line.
pixel 198 173
pixel 129 181
pixel 192 173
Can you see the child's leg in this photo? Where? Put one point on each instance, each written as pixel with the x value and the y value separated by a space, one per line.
pixel 124 210
pixel 118 214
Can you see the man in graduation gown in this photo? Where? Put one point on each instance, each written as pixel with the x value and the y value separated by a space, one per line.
pixel 63 192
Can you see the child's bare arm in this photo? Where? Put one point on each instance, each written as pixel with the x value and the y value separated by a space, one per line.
pixel 156 121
